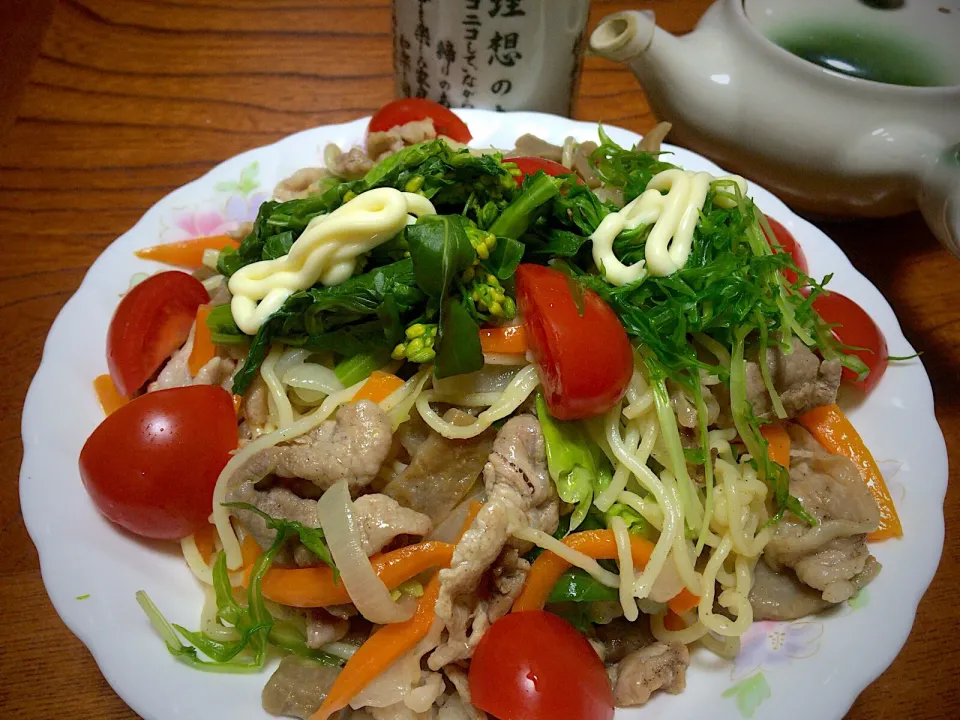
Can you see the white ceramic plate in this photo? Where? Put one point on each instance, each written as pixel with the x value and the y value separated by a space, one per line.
pixel 809 668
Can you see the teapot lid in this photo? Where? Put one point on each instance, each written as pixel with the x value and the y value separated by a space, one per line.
pixel 900 42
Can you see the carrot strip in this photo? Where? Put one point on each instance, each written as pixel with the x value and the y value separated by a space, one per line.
pixel 110 398
pixel 188 253
pixel 673 622
pixel 379 652
pixel 378 387
pixel 204 541
pixel 597 544
pixel 507 340
pixel 778 443
pixel 237 402
pixel 683 602
pixel 315 586
pixel 203 348
pixel 837 435
pixel 250 551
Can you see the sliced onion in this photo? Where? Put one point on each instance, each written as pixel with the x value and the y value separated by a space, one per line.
pixel 311 376
pixel 491 379
pixel 342 531
pixel 668 582
pixel 505 359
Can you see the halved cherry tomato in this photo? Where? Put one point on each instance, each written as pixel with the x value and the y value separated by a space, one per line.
pixel 152 321
pixel 529 165
pixel 151 466
pixel 400 112
pixel 789 245
pixel 534 665
pixel 856 328
pixel 585 361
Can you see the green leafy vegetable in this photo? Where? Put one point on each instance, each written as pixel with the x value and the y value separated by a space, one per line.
pixel 441 251
pixel 337 318
pixel 223 329
pixel 256 627
pixel 574 461
pixel 505 258
pixel 537 191
pixel 578 585
pixel 458 347
pixel 353 369
pixel 629 170
pixel 312 538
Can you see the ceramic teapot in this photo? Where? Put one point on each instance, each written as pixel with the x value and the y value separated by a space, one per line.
pixel 844 107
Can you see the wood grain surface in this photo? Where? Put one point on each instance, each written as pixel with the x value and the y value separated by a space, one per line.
pixel 108 105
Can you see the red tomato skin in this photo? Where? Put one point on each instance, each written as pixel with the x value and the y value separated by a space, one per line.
pixel 530 165
pixel 534 665
pixel 585 363
pixel 404 110
pixel 790 246
pixel 857 329
pixel 151 321
pixel 151 466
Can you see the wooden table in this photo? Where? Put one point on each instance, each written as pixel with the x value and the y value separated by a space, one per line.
pixel 108 105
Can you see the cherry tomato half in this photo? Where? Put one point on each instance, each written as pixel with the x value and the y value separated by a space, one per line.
pixel 400 112
pixel 585 361
pixel 789 245
pixel 856 328
pixel 529 165
pixel 152 321
pixel 151 466
pixel 534 665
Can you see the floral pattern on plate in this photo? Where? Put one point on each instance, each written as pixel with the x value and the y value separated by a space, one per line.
pixel 237 202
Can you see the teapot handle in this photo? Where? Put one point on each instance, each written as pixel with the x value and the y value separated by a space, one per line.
pixel 939 197
pixel 918 156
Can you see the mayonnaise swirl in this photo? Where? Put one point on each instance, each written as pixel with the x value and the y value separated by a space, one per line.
pixel 675 215
pixel 326 252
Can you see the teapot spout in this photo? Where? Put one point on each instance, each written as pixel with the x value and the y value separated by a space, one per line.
pixel 669 68
pixel 626 36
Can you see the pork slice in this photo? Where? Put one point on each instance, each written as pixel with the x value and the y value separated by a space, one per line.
pixel 441 471
pixel 383 144
pixel 831 556
pixel 781 596
pixel 301 184
pixel 350 165
pixel 655 667
pixel 255 408
pixel 461 683
pixel 531 146
pixel 581 163
pixel 176 371
pixel 802 380
pixel 652 140
pixel 620 637
pixel 323 628
pixel 297 687
pixel 382 519
pixel 519 492
pixel 352 447
pixel 349 448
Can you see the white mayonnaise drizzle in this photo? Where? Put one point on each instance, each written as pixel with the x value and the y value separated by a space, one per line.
pixel 675 215
pixel 326 252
